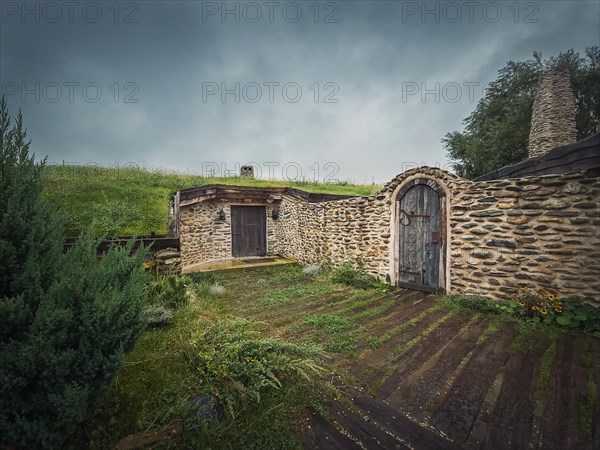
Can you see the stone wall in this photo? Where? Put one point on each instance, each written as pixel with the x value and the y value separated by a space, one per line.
pixel 205 238
pixel 528 232
pixel 553 115
pixel 333 232
pixel 502 235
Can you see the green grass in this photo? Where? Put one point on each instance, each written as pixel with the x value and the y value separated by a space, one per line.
pixel 471 303
pixel 337 333
pixel 281 275
pixel 344 342
pixel 157 379
pixel 588 403
pixel 541 389
pixel 586 408
pixel 522 339
pixel 492 328
pixel 374 311
pixel 374 342
pixel 282 296
pixel 152 389
pixel 123 201
pixel 330 322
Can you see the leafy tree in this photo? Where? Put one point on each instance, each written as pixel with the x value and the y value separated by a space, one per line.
pixel 66 319
pixel 497 132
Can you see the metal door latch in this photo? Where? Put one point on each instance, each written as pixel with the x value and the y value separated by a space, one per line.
pixel 410 215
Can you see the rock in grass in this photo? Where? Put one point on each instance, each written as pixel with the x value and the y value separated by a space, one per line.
pixel 206 408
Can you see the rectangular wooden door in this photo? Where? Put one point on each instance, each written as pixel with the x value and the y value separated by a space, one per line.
pixel 248 231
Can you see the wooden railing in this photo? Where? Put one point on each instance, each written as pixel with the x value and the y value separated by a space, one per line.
pixel 155 242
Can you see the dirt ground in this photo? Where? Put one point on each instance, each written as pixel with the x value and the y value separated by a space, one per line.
pixel 410 373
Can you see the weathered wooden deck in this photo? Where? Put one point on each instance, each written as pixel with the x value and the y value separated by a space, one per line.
pixel 459 386
pixel 422 376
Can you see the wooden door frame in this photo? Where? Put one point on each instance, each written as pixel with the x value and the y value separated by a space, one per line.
pixel 444 258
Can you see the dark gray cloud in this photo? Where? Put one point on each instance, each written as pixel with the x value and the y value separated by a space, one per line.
pixel 156 61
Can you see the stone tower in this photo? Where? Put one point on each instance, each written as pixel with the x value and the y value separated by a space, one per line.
pixel 553 115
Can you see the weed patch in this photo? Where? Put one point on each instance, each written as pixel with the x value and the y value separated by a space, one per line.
pixel 169 291
pixel 541 389
pixel 374 311
pixel 343 342
pixel 264 383
pixel 472 303
pixel 238 364
pixel 280 297
pixel 351 276
pixel 374 342
pixel 534 307
pixel 329 322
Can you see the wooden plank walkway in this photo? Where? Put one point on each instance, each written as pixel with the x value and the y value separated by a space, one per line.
pixel 437 378
pixel 461 394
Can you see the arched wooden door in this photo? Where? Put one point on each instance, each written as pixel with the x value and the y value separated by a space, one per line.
pixel 420 229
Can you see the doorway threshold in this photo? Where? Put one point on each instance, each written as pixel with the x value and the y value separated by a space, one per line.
pixel 238 263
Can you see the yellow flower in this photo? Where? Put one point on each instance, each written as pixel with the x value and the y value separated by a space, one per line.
pixel 535 308
pixel 544 311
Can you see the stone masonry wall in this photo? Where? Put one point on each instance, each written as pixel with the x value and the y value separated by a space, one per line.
pixel 503 235
pixel 202 237
pixel 336 231
pixel 205 238
pixel 529 232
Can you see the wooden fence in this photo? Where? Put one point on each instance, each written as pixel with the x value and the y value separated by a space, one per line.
pixel 154 242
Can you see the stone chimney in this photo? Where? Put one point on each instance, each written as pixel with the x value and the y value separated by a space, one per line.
pixel 247 171
pixel 553 115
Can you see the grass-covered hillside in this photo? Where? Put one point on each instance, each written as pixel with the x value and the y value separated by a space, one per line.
pixel 122 201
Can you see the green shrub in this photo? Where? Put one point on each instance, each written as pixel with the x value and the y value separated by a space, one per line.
pixel 577 315
pixel 541 305
pixel 169 291
pixel 238 364
pixel 66 319
pixel 311 269
pixel 534 305
pixel 216 290
pixel 157 316
pixel 351 276
pixel 382 286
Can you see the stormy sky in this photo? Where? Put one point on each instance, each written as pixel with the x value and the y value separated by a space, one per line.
pixel 346 90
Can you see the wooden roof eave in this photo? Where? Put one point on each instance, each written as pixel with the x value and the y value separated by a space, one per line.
pixel 579 156
pixel 193 201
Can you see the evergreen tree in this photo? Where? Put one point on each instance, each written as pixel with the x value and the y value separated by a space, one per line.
pixel 497 131
pixel 66 319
